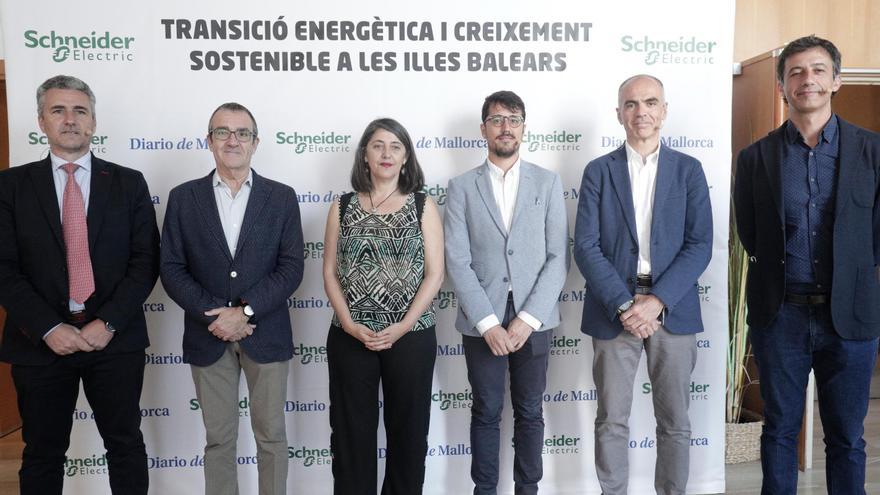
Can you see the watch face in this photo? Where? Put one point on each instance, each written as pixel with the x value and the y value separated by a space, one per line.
pixel 248 310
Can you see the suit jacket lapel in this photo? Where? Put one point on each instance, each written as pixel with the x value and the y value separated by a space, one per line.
pixel 484 186
pixel 100 184
pixel 44 187
pixel 619 172
pixel 772 157
pixel 525 193
pixel 207 205
pixel 851 144
pixel 260 192
pixel 665 172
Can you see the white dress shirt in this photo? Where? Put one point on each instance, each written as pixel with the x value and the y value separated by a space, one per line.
pixel 505 185
pixel 232 208
pixel 83 177
pixel 642 179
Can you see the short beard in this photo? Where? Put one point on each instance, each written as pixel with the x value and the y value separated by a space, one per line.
pixel 506 152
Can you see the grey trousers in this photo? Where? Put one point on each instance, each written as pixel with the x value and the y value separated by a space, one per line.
pixel 217 391
pixel 671 359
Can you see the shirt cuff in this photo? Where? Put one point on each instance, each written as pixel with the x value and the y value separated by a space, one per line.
pixel 486 323
pixel 51 330
pixel 529 320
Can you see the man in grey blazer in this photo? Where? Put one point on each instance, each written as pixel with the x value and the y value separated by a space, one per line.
pixel 507 257
pixel 232 253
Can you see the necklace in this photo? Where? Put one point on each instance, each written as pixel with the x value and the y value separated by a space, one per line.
pixel 375 208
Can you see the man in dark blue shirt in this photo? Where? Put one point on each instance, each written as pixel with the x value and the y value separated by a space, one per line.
pixel 807 201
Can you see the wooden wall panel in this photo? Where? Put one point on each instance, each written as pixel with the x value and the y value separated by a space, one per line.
pixel 859 104
pixel 762 25
pixel 9 419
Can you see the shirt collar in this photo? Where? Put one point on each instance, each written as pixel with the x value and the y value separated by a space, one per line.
pixel 247 182
pixel 499 174
pixel 633 155
pixel 827 135
pixel 85 161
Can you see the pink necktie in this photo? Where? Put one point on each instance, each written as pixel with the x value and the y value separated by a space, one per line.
pixel 80 279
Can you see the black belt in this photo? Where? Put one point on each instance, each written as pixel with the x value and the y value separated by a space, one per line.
pixel 76 317
pixel 807 299
pixel 643 281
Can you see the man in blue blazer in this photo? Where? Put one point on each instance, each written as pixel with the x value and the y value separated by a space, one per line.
pixel 506 235
pixel 807 201
pixel 232 253
pixel 643 236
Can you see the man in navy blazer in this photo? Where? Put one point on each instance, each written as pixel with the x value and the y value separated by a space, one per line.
pixel 643 236
pixel 506 236
pixel 807 201
pixel 232 253
pixel 57 337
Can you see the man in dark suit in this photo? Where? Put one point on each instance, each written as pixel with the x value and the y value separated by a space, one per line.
pixel 808 214
pixel 232 253
pixel 643 237
pixel 79 252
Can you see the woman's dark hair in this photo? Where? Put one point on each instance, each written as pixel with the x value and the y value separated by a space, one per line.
pixel 411 179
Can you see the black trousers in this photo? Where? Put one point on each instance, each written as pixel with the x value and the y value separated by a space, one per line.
pixel 406 372
pixel 46 400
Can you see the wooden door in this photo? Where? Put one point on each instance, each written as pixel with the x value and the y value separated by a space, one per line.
pixel 9 419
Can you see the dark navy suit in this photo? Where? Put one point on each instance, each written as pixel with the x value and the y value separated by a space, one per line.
pixel 124 250
pixel 200 273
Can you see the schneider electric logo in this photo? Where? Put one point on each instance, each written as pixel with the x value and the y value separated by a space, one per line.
pixel 318 142
pixel 675 51
pixel 83 466
pixel 453 400
pixel 94 46
pixel 310 456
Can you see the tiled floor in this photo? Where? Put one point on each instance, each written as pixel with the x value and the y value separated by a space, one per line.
pixel 745 478
pixel 742 479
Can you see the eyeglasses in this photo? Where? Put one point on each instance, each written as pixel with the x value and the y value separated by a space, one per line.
pixel 498 120
pixel 242 135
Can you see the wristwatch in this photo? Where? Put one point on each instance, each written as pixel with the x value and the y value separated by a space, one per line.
pixel 625 306
pixel 248 311
pixel 110 328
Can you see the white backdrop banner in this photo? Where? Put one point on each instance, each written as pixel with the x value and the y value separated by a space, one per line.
pixel 314 74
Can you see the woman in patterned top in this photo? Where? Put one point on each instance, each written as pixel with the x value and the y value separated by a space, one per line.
pixel 383 265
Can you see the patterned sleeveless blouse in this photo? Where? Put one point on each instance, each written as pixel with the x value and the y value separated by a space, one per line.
pixel 380 262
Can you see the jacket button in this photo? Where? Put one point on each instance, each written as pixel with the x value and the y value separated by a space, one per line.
pixel 782 261
pixel 634 250
pixel 510 251
pixel 504 279
pixel 233 274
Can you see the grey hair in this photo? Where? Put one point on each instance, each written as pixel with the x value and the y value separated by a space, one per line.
pixel 64 82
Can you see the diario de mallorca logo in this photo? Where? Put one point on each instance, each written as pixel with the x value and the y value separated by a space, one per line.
pixel 317 142
pixel 93 46
pixel 683 50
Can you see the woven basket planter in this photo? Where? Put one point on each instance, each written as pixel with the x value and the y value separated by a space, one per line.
pixel 743 442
